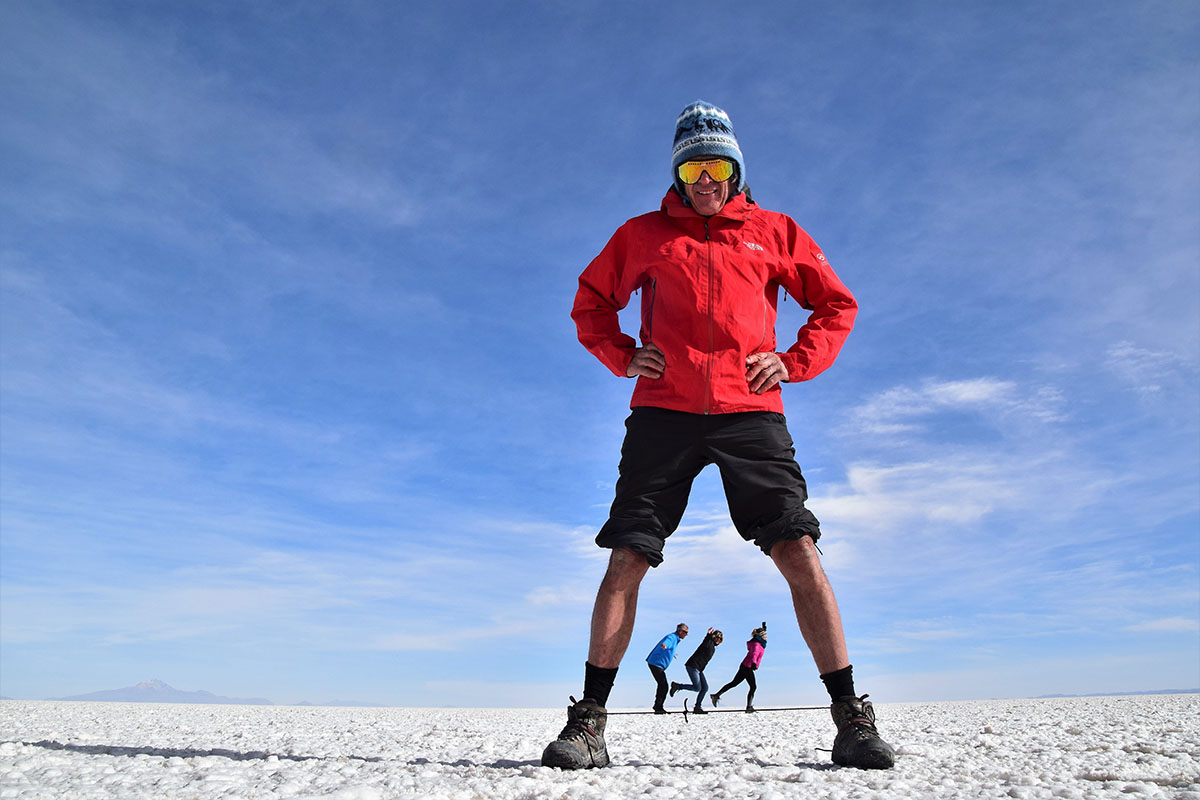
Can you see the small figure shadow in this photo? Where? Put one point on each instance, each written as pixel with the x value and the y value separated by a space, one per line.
pixel 262 755
pixel 182 752
pixel 503 763
pixel 824 766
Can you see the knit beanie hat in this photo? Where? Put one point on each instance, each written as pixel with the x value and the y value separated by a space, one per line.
pixel 702 129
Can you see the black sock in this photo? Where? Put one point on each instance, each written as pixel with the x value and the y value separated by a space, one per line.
pixel 598 682
pixel 840 683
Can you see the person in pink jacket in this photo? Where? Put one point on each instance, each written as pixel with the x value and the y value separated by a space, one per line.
pixel 754 654
pixel 709 265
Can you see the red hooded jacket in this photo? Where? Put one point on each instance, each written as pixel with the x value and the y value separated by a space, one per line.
pixel 709 290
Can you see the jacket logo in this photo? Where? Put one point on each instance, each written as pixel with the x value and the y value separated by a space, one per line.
pixel 753 246
pixel 820 256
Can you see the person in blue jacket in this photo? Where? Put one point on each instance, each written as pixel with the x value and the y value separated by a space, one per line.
pixel 660 658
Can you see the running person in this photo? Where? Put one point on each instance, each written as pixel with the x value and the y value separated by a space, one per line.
pixel 755 648
pixel 695 669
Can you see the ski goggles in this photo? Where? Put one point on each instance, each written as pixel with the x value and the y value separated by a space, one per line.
pixel 718 169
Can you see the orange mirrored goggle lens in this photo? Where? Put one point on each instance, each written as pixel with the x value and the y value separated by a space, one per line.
pixel 717 168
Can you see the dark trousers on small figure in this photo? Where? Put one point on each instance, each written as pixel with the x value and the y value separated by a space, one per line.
pixel 746 674
pixel 660 696
pixel 699 684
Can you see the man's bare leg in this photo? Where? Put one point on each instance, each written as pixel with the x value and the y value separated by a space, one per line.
pixel 816 607
pixel 581 744
pixel 858 743
pixel 616 607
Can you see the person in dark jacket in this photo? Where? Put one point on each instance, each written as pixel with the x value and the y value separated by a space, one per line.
pixel 695 669
pixel 709 265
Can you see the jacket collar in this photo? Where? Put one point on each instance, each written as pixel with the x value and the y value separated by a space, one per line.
pixel 736 209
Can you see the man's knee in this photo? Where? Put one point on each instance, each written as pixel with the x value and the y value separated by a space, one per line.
pixel 795 551
pixel 625 568
pixel 799 562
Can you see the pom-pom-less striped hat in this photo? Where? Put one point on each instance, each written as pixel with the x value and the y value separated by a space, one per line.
pixel 702 129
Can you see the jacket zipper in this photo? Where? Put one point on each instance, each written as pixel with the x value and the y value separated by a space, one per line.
pixel 709 361
pixel 650 314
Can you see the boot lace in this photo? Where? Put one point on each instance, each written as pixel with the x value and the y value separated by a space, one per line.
pixel 861 720
pixel 578 727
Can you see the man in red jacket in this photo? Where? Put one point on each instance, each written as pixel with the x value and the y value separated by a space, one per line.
pixel 709 264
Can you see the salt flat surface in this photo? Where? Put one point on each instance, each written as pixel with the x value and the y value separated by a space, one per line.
pixel 1107 747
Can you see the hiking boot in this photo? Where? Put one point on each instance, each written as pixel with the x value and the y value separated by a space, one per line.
pixel 858 743
pixel 581 743
pixel 674 688
pixel 698 710
pixel 660 710
pixel 716 699
pixel 749 709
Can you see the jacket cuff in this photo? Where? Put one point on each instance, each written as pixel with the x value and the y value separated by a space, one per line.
pixel 616 355
pixel 797 367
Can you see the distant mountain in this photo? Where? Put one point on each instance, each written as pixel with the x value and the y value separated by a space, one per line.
pixel 340 704
pixel 1119 694
pixel 158 692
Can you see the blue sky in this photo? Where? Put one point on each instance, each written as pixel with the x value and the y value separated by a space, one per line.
pixel 292 405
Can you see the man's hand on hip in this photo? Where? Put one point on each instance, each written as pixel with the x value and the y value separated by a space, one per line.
pixel 647 362
pixel 764 370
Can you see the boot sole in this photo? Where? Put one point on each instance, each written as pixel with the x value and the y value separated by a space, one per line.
pixel 870 760
pixel 564 761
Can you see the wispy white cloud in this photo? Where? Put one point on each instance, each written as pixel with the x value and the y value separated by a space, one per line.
pixel 950 491
pixel 1146 370
pixel 913 635
pixel 78 389
pixel 1088 672
pixel 912 408
pixel 334 597
pixel 1168 625
pixel 557 596
pixel 138 125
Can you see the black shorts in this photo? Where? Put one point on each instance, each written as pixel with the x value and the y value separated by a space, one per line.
pixel 665 450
